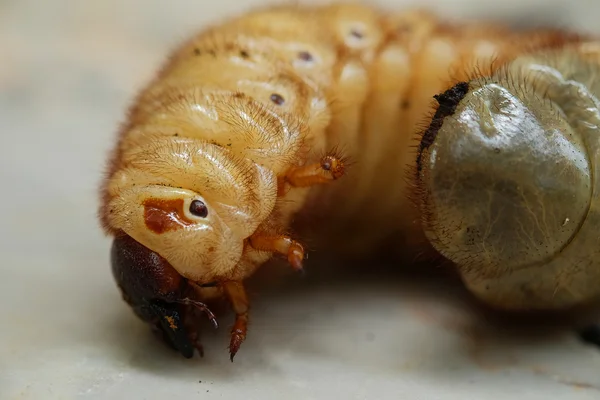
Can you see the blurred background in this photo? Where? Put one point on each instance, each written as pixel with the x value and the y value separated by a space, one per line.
pixel 68 70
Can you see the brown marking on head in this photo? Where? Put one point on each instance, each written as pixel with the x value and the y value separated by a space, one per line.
pixel 161 216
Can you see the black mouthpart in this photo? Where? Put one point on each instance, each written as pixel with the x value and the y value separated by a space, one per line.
pixel 170 322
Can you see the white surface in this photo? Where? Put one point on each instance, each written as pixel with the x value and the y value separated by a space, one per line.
pixel 67 70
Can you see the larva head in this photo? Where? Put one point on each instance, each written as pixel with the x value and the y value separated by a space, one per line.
pixel 182 227
pixel 504 182
pixel 191 203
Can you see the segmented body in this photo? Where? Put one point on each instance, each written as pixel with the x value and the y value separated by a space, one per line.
pixel 351 79
pixel 243 103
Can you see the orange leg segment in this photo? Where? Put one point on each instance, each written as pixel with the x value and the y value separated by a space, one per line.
pixel 280 244
pixel 235 292
pixel 328 169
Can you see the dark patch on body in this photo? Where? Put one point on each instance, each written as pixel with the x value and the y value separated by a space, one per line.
pixel 151 286
pixel 447 106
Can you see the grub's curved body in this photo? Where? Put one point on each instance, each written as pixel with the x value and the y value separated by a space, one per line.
pixel 225 152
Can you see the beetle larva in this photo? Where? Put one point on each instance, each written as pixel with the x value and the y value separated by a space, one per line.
pixel 246 130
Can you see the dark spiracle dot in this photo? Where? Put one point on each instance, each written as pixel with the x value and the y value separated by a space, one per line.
pixel 244 54
pixel 277 99
pixel 305 56
pixel 356 34
pixel 199 209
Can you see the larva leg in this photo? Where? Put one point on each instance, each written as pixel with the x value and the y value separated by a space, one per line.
pixel 280 244
pixel 235 292
pixel 328 169
pixel 200 307
pixel 187 323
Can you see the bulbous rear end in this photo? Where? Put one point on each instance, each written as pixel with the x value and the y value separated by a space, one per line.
pixel 505 181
